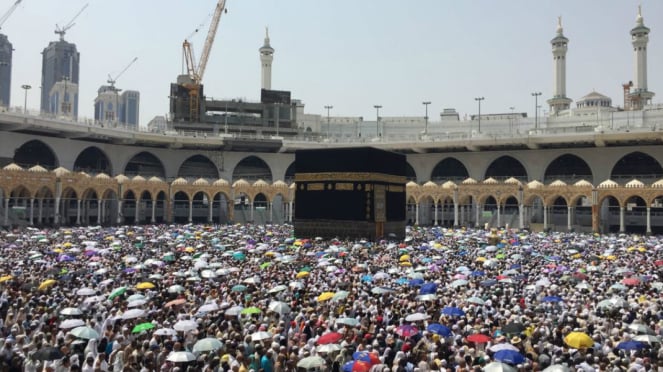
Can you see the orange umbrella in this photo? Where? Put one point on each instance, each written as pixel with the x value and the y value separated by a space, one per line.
pixel 176 302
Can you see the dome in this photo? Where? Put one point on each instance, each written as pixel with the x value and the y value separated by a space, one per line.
pixel 201 182
pixel 430 185
pixel 635 184
pixel 512 181
pixel 448 185
pixel 138 179
pixel 13 167
pixel 534 185
pixel 292 186
pixel 583 183
pixel 102 176
pixel 558 183
pixel 38 169
pixel 180 181
pixel 155 179
pixel 280 184
pixel 59 171
pixel 260 183
pixel 121 178
pixel 469 181
pixel 490 181
pixel 608 184
pixel 658 184
pixel 221 182
pixel 241 183
pixel 84 174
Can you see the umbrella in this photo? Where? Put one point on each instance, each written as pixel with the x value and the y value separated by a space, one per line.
pixel 498 367
pixel 71 323
pixel 426 297
pixel 238 288
pixel 279 307
pixel 175 302
pixel 351 322
pixel 278 288
pixel 251 310
pixel 340 295
pixel 631 345
pixel 133 314
pixel 640 328
pixel 85 292
pixel 406 330
pixel 325 296
pixel 356 366
pixel 206 345
pixel 208 308
pixel 136 303
pixel 117 292
pixel 428 288
pixel 165 332
pixel 453 311
pixel 145 285
pixel 552 299
pixel 502 346
pixel 185 325
pixel 328 348
pixel 47 284
pixel 176 289
pixel 365 356
pixel 578 340
pixel 647 338
pixel 330 338
pixel 459 283
pixel 48 353
pixel 631 281
pixel 381 290
pixel 85 332
pixel 476 301
pixel 234 311
pixel 181 357
pixel 478 338
pixel 439 329
pixel 261 335
pixel 71 311
pixel 509 357
pixel 311 362
pixel 557 368
pixel 136 297
pixel 142 327
pixel 416 317
pixel 302 274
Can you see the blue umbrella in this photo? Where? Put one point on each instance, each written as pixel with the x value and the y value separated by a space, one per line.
pixel 439 329
pixel 366 278
pixel 401 281
pixel 428 288
pixel 361 355
pixel 453 311
pixel 515 267
pixel 552 299
pixel 631 345
pixel 415 282
pixel 554 258
pixel 488 283
pixel 478 273
pixel 509 357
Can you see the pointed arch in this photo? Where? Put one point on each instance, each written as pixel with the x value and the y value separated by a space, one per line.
pixel 449 169
pixel 36 152
pixel 93 160
pixel 568 168
pixel 639 165
pixel 145 164
pixel 252 168
pixel 504 167
pixel 198 166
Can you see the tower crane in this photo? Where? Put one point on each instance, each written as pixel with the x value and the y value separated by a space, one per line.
pixel 9 12
pixel 112 80
pixel 197 71
pixel 63 30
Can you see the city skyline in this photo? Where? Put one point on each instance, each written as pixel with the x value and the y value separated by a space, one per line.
pixel 346 55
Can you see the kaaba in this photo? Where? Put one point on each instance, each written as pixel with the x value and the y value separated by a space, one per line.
pixel 349 193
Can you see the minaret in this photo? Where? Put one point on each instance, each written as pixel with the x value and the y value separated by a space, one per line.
pixel 640 96
pixel 266 57
pixel 559 101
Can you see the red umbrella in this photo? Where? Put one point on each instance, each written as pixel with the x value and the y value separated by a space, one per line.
pixel 631 281
pixel 330 338
pixel 580 275
pixel 502 277
pixel 658 262
pixel 478 338
pixel 406 330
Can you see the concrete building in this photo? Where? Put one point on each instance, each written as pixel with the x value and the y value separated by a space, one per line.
pixel 59 79
pixel 129 109
pixel 112 108
pixel 6 51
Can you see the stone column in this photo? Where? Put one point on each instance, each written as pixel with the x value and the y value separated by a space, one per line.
pixel 102 207
pixel 477 206
pixel 499 215
pixel 137 211
pixel 545 217
pixel 99 204
pixel 210 211
pixel 56 217
pixel 231 210
pixel 596 219
pixel 290 211
pixel 569 218
pixel 119 211
pixel 40 218
pixel 190 210
pixel 416 214
pixel 271 205
pixel 32 211
pixel 521 216
pixel 456 219
pixel 154 211
pixel 251 211
pixel 621 219
pixel 435 214
pixel 648 220
pixel 6 211
pixel 78 211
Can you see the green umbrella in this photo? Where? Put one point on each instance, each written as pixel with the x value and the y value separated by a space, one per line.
pixel 117 292
pixel 142 327
pixel 251 310
pixel 139 245
pixel 265 265
pixel 305 268
pixel 500 256
pixel 239 256
pixel 197 254
pixel 239 288
pixel 170 257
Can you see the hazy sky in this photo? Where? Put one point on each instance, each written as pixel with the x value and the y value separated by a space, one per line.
pixel 347 53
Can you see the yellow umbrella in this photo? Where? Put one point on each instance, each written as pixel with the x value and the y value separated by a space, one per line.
pixel 270 254
pixel 578 340
pixel 405 257
pixel 325 296
pixel 642 249
pixel 189 249
pixel 47 284
pixel 302 274
pixel 481 259
pixel 5 278
pixel 577 255
pixel 58 250
pixel 67 244
pixel 611 258
pixel 145 285
pixel 405 263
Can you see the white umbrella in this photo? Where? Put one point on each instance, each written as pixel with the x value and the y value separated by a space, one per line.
pixel 181 357
pixel 71 323
pixel 279 307
pixel 94 299
pixel 165 332
pixel 85 292
pixel 185 325
pixel 136 297
pixel 71 311
pixel 260 336
pixel 503 346
pixel 416 317
pixel 498 367
pixel 352 322
pixel 252 280
pixel 208 274
pixel 278 288
pixel 641 329
pixel 650 339
pixel 176 288
pixel 476 301
pixel 328 348
pixel 136 303
pixel 133 314
pixel 311 362
pixel 234 311
pixel 85 332
pixel 557 368
pixel 207 344
pixel 208 308
pixel 427 297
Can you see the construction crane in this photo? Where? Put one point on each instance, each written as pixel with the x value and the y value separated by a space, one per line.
pixel 197 71
pixel 63 30
pixel 4 18
pixel 112 80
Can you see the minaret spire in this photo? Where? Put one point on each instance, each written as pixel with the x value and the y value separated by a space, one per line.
pixel 640 95
pixel 559 43
pixel 266 58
